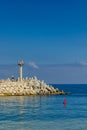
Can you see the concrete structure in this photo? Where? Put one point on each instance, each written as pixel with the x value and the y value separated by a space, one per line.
pixel 20 63
pixel 28 86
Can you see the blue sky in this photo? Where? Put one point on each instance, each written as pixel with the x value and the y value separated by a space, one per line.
pixel 46 32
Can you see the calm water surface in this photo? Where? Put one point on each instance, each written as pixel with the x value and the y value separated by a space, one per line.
pixel 46 112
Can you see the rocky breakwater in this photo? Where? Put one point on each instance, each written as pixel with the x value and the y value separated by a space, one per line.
pixel 28 86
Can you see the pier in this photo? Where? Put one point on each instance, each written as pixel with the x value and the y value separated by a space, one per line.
pixel 27 86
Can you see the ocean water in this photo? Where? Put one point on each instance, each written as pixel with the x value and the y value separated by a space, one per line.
pixel 46 112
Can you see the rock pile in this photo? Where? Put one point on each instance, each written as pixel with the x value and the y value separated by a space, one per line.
pixel 28 86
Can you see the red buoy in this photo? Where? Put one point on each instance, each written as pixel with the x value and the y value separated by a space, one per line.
pixel 64 102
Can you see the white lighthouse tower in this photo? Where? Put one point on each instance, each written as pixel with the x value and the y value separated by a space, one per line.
pixel 20 64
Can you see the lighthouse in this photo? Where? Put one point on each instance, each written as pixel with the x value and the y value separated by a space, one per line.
pixel 20 64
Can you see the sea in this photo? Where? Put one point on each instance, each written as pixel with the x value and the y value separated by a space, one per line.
pixel 46 112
